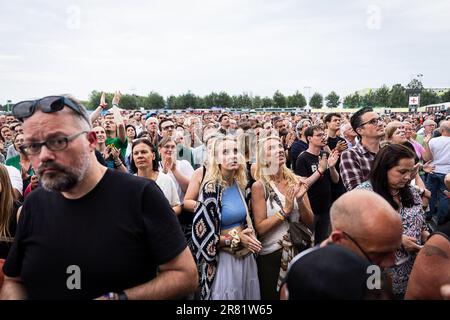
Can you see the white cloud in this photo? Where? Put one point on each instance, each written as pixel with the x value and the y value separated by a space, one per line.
pixel 236 45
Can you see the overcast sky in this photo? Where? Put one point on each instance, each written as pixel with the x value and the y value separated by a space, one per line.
pixel 255 46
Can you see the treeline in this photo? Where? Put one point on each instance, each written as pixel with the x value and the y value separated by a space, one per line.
pixel 394 97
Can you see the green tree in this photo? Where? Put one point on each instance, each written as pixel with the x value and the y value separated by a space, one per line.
pixel 414 87
pixel 211 100
pixel 171 102
pixel 128 101
pixel 187 100
pixel 352 101
pixel 224 100
pixel 398 97
pixel 428 97
pixel 332 100
pixel 279 99
pixel 257 102
pixel 267 102
pixel 382 97
pixel 446 96
pixel 316 101
pixel 369 99
pixel 297 100
pixel 154 101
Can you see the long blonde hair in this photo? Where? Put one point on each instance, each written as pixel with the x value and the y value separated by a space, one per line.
pixel 214 172
pixel 6 202
pixel 262 163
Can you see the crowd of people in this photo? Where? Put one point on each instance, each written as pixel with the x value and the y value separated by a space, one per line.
pixel 222 206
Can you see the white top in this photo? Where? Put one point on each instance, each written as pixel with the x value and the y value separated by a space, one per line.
pixel 270 240
pixel 168 188
pixel 440 149
pixel 186 169
pixel 16 178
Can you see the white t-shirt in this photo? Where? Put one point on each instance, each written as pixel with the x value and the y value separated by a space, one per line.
pixel 16 178
pixel 440 149
pixel 168 188
pixel 186 169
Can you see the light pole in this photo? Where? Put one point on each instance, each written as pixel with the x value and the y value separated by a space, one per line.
pixel 8 105
pixel 307 93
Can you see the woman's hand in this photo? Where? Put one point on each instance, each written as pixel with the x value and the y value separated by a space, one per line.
pixel 428 167
pixel 410 244
pixel 249 240
pixel 301 190
pixel 289 202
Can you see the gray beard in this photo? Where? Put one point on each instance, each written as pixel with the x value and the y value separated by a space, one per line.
pixel 66 178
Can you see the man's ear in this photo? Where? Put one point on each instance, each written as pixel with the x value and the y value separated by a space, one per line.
pixel 92 138
pixel 336 236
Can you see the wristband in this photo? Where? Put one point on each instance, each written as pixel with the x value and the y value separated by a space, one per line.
pixel 227 240
pixel 279 216
pixel 318 170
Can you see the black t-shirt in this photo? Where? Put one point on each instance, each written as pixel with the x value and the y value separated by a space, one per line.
pixel 6 243
pixel 319 193
pixel 337 189
pixel 117 235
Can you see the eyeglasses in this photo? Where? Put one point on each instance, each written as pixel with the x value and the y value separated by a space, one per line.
pixel 25 109
pixel 53 144
pixel 320 135
pixel 168 127
pixel 359 247
pixel 374 122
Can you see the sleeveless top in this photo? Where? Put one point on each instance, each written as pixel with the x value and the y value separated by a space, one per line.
pixel 270 241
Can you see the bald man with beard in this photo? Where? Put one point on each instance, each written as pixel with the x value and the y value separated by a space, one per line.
pixel 365 223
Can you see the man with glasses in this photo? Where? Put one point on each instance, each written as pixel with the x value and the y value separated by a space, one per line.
pixel 167 127
pixel 73 240
pixel 356 162
pixel 320 171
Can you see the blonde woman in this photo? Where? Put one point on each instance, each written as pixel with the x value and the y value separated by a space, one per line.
pixel 8 213
pixel 278 196
pixel 223 235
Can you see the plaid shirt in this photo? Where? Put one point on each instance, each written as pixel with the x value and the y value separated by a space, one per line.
pixel 355 166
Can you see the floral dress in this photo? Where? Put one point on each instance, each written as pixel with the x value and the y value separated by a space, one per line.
pixel 413 220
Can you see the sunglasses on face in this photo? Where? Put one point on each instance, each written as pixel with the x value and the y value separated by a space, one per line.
pixel 26 109
pixel 168 127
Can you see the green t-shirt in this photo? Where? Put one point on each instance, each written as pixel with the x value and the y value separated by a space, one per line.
pixel 118 144
pixel 14 162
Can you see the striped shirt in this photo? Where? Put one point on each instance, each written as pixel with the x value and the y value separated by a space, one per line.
pixel 355 166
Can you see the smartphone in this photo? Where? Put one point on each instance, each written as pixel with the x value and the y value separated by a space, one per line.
pixel 322 152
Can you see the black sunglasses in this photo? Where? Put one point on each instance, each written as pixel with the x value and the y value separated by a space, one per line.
pixel 25 109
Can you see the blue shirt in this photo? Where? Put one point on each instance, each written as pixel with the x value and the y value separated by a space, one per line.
pixel 233 208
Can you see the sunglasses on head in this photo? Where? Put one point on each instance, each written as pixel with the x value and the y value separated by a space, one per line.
pixel 26 109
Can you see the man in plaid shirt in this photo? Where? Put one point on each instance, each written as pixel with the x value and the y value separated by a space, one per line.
pixel 356 162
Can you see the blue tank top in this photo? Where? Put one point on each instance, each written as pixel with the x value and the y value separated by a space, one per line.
pixel 233 208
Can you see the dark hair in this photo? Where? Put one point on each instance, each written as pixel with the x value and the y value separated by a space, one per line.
pixel 165 120
pixel 131 126
pixel 223 115
pixel 387 158
pixel 355 119
pixel 329 116
pixel 143 133
pixel 410 146
pixel 309 132
pixel 152 147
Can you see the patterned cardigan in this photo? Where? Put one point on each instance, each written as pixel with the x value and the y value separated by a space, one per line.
pixel 206 233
